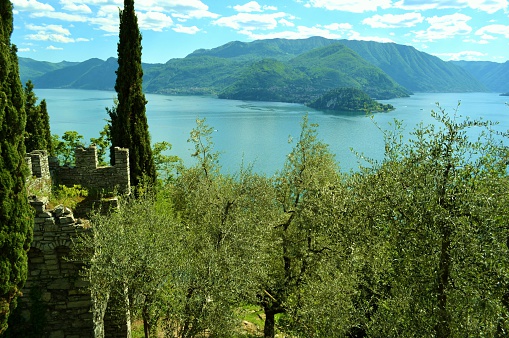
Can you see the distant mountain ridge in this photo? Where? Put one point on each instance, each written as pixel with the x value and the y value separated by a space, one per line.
pixel 495 76
pixel 402 69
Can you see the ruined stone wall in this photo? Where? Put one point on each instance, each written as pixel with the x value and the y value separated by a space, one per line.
pixel 88 174
pixel 56 302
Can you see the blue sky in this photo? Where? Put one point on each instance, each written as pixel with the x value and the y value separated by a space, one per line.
pixel 77 30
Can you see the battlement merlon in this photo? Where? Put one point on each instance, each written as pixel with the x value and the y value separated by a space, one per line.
pixel 86 171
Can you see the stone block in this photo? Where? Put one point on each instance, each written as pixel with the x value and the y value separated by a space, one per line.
pixel 57 334
pixel 59 284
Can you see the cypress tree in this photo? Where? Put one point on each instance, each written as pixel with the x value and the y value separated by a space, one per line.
pixel 16 219
pixel 129 127
pixel 33 140
pixel 45 132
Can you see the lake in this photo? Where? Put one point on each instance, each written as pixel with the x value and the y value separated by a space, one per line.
pixel 258 132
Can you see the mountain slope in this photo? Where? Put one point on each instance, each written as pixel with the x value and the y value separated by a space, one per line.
pixel 30 69
pixel 212 71
pixel 338 66
pixel 415 70
pixel 495 76
pixel 279 49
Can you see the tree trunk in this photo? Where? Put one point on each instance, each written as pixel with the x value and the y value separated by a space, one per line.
pixel 442 327
pixel 100 303
pixel 268 328
pixel 127 310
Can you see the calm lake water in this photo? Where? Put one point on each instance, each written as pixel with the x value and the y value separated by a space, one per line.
pixel 258 132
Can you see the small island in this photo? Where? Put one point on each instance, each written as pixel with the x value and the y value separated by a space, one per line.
pixel 348 99
pixel 505 94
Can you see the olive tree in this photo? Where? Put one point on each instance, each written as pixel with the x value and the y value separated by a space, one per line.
pixel 438 204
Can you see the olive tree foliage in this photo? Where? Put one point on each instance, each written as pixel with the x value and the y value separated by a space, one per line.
pixel 438 206
pixel 221 215
pixel 307 191
pixel 134 252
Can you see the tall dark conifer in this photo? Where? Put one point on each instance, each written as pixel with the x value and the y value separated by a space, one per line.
pixel 45 128
pixel 129 127
pixel 16 220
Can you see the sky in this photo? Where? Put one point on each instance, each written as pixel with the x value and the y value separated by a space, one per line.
pixel 77 30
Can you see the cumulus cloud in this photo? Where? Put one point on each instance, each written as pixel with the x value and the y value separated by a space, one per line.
pixel 186 30
pixel 253 6
pixel 72 6
pixel 354 6
pixel 444 27
pixel 488 6
pixel 31 6
pixel 488 31
pixel 302 32
pixel 394 20
pixel 51 47
pixel 250 21
pixel 468 55
pixel 357 36
pixel 155 21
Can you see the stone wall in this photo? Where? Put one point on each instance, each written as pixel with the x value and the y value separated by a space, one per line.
pixel 88 174
pixel 56 302
pixel 38 178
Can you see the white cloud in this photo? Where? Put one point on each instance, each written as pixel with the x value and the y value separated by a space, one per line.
pixel 51 28
pixel 51 47
pixel 155 21
pixel 186 30
pixel 253 6
pixel 60 16
pixel 355 6
pixel 302 32
pixel 286 23
pixel 31 6
pixel 394 20
pixel 468 55
pixel 488 6
pixel 249 21
pixel 493 29
pixel 357 36
pixel 338 26
pixel 444 27
pixel 71 6
pixel 43 36
pixel 24 50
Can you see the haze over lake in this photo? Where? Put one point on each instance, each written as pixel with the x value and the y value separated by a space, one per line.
pixel 258 132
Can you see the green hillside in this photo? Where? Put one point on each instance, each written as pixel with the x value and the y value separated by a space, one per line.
pixel 192 75
pixel 339 66
pixel 494 75
pixel 348 99
pixel 382 70
pixel 30 69
pixel 415 70
pixel 270 80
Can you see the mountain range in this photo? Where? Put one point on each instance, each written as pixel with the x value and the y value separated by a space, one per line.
pixel 285 70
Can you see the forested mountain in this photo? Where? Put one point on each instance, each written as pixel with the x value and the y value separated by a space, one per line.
pixel 415 70
pixel 31 69
pixel 311 74
pixel 216 70
pixel 495 76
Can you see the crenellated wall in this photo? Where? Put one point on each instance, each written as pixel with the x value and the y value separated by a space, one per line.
pixel 87 173
pixel 56 301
